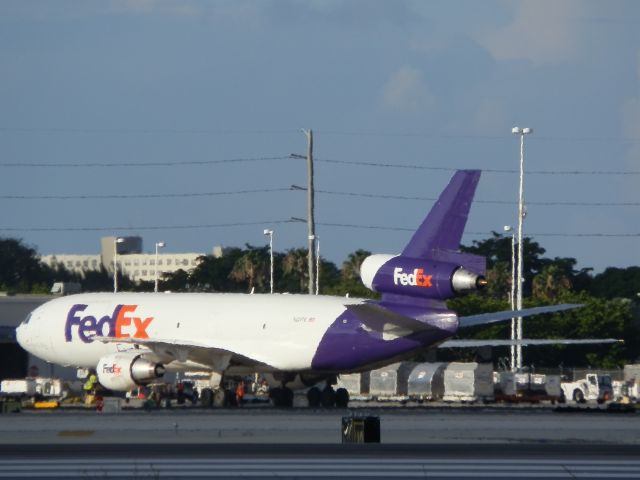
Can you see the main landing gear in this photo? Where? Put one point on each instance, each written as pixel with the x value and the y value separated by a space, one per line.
pixel 327 397
pixel 281 396
pixel 218 398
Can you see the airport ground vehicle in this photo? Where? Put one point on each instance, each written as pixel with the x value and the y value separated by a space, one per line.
pixel 35 388
pixel 592 387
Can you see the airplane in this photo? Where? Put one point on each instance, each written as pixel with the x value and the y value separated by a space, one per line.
pixel 295 341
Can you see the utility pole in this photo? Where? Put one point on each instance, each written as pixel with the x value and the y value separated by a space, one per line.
pixel 311 224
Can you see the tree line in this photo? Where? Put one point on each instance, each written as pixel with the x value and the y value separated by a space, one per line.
pixel 610 298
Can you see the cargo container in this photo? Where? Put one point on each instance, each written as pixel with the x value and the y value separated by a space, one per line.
pixel 527 387
pixel 357 384
pixel 426 381
pixel 23 387
pixel 391 382
pixel 468 382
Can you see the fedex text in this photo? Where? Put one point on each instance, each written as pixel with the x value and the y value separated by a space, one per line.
pixel 415 279
pixel 113 369
pixel 120 324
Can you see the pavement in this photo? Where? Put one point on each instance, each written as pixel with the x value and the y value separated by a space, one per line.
pixel 304 426
pixel 429 443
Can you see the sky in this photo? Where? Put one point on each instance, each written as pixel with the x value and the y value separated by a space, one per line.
pixel 176 121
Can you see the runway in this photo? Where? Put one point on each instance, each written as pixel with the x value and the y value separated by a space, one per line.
pixel 318 461
pixel 303 426
pixel 415 443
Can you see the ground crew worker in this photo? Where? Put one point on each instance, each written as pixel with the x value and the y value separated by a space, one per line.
pixel 240 393
pixel 89 388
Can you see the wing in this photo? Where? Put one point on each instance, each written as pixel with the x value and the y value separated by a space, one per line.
pixel 203 354
pixel 524 341
pixel 485 318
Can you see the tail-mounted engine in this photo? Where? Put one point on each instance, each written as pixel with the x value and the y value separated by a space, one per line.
pixel 418 277
pixel 122 371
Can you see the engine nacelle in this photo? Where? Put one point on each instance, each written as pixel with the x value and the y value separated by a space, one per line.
pixel 123 371
pixel 418 277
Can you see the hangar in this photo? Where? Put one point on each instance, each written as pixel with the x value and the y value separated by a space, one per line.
pixel 15 362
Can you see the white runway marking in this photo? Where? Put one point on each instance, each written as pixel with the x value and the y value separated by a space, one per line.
pixel 318 468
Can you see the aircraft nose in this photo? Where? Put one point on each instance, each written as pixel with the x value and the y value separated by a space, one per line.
pixel 20 336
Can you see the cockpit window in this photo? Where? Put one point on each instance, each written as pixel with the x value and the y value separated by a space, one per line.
pixel 26 320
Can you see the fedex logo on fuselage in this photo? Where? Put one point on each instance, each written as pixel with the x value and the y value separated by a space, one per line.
pixel 415 279
pixel 121 324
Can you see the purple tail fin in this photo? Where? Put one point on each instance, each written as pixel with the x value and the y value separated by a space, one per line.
pixel 444 226
pixel 431 268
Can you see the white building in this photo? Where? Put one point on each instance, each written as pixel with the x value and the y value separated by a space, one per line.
pixel 142 266
pixel 132 262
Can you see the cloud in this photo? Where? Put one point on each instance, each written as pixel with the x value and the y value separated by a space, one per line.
pixel 490 117
pixel 407 91
pixel 542 31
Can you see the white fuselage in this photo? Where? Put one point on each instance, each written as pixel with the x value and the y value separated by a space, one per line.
pixel 280 331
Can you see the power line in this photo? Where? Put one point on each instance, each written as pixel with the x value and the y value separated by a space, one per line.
pixel 141 164
pixel 350 133
pixel 484 170
pixel 276 222
pixel 145 131
pixel 291 156
pixel 140 195
pixel 445 136
pixel 573 235
pixel 141 228
pixel 133 196
pixel 490 202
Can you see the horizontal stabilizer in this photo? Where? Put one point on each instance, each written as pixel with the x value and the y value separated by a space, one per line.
pixel 485 318
pixel 525 341
pixel 379 319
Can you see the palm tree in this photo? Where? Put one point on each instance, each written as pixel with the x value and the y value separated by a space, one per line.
pixel 499 280
pixel 550 283
pixel 351 267
pixel 295 265
pixel 252 267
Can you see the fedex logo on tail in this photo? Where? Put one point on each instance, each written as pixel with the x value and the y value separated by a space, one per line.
pixel 120 324
pixel 415 279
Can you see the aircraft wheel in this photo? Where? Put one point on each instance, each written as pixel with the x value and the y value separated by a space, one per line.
pixel 314 397
pixel 288 397
pixel 277 396
pixel 578 396
pixel 206 397
pixel 328 397
pixel 342 398
pixel 230 399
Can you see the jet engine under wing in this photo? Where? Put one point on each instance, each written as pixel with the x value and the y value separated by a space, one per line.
pixel 485 318
pixel 524 341
pixel 168 350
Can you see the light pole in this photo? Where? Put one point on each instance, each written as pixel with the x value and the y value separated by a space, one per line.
pixel 269 232
pixel 509 228
pixel 116 241
pixel 317 265
pixel 522 132
pixel 158 245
